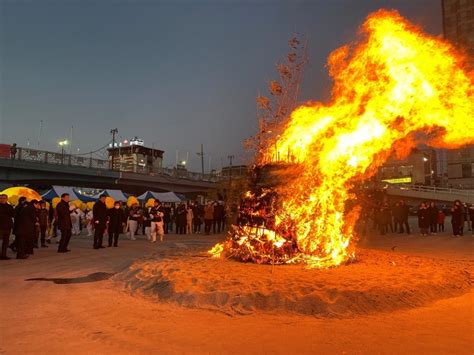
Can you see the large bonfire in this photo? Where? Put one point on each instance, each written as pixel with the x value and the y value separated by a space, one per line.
pixel 394 88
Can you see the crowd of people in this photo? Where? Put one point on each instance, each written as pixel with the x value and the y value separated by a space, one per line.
pixel 34 225
pixel 431 218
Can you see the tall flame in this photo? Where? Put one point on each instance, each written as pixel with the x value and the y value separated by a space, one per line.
pixel 393 88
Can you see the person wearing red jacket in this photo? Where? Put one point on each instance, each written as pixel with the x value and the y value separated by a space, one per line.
pixel 440 220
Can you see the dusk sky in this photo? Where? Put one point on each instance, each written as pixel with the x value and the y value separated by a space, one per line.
pixel 174 73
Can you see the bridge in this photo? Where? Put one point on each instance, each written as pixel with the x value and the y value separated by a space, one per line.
pixel 430 193
pixel 38 167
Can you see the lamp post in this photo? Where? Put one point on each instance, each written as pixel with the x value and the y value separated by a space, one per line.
pixel 201 154
pixel 230 157
pixel 62 144
pixel 113 132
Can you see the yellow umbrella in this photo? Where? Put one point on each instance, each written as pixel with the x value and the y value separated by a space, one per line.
pixel 13 200
pixel 109 202
pixel 132 200
pixel 14 193
pixel 78 204
pixel 150 202
pixel 55 201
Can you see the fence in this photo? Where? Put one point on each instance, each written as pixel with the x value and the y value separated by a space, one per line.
pixel 40 156
pixel 434 189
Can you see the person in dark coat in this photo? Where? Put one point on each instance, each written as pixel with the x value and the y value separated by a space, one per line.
pixel 43 217
pixel 32 241
pixel 181 218
pixel 13 151
pixel 404 213
pixel 167 225
pixel 64 223
pixel 218 215
pixel 471 217
pixel 398 227
pixel 463 218
pixel 25 230
pixel 457 218
pixel 197 221
pixel 384 218
pixel 6 224
pixel 21 203
pixel 117 222
pixel 387 216
pixel 424 219
pixel 99 213
pixel 433 217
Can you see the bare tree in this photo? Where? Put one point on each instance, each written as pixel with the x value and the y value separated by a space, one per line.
pixel 273 111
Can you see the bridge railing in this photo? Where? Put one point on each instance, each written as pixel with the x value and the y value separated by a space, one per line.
pixel 60 159
pixel 40 156
pixel 172 172
pixel 433 189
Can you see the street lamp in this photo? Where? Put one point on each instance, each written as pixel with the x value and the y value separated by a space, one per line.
pixel 62 144
pixel 230 157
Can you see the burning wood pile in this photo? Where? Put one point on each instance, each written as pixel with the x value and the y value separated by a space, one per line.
pixel 394 88
pixel 256 237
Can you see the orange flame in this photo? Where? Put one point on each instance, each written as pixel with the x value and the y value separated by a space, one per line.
pixel 393 84
pixel 394 88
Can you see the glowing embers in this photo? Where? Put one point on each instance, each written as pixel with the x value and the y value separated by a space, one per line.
pixel 258 245
pixel 264 246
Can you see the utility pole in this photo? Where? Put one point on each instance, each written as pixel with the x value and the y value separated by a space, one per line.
pixel 113 132
pixel 70 142
pixel 40 132
pixel 230 157
pixel 62 144
pixel 201 154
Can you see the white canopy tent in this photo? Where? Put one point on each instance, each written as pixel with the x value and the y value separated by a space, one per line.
pixel 117 195
pixel 57 191
pixel 167 197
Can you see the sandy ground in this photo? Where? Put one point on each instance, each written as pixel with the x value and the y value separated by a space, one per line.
pixel 99 318
pixel 378 281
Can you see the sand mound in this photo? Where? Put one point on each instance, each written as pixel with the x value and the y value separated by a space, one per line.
pixel 378 282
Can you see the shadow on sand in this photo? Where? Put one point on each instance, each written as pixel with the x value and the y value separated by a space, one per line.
pixel 94 277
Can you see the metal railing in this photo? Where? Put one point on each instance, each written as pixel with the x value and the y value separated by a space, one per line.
pixel 40 156
pixel 432 189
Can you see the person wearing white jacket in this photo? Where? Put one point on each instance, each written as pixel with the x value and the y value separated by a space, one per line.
pixel 156 214
pixel 189 218
pixel 90 223
pixel 76 216
pixel 134 216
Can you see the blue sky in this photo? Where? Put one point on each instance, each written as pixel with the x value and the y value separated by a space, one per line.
pixel 175 73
